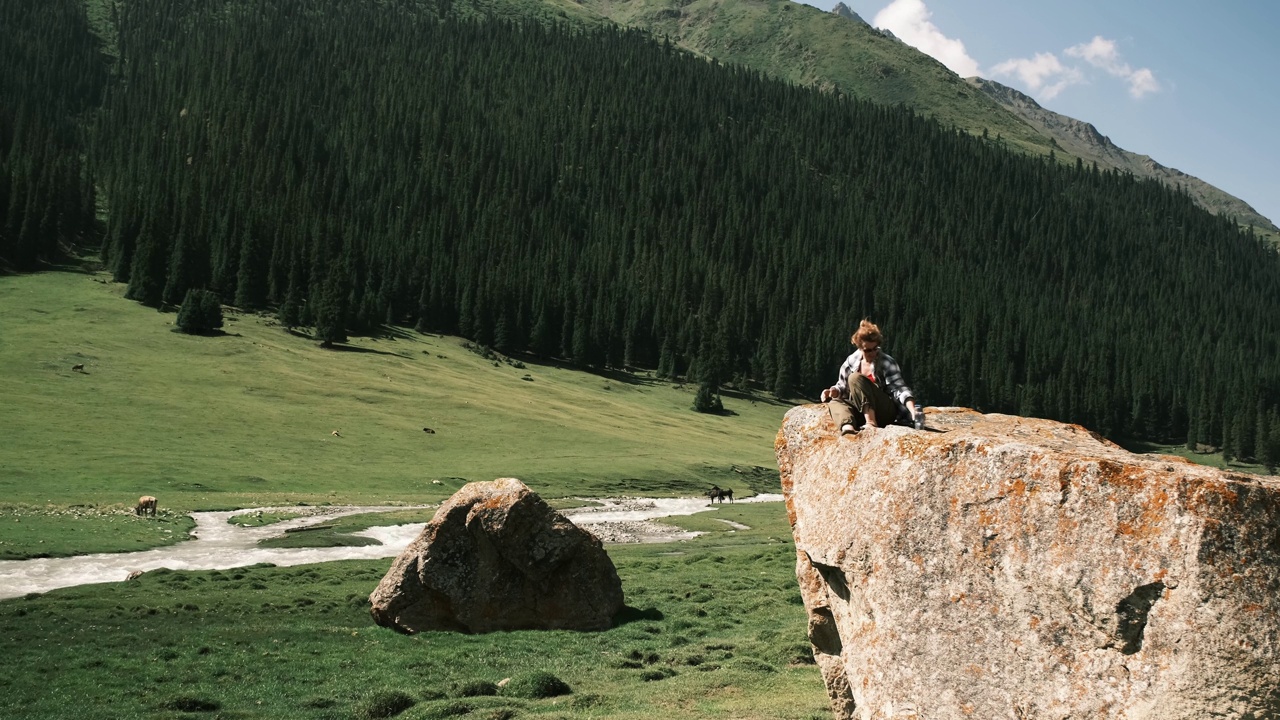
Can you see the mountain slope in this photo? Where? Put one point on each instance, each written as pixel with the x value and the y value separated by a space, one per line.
pixel 809 47
pixel 1081 139
pixel 840 51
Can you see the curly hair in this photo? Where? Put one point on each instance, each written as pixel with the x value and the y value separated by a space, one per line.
pixel 867 332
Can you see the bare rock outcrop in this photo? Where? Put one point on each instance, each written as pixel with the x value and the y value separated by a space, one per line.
pixel 1004 567
pixel 496 557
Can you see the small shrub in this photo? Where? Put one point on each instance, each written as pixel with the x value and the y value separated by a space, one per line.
pixel 385 704
pixel 201 312
pixel 187 703
pixel 476 688
pixel 536 685
pixel 707 400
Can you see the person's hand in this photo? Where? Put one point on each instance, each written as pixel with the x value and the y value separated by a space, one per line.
pixel 830 393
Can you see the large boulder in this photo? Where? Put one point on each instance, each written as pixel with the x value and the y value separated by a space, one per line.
pixel 1004 567
pixel 496 557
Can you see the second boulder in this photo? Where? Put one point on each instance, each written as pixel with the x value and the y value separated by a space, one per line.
pixel 496 557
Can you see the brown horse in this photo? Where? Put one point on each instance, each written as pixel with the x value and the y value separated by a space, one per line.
pixel 715 493
pixel 146 506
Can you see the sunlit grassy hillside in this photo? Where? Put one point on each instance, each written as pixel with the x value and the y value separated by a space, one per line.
pixel 248 418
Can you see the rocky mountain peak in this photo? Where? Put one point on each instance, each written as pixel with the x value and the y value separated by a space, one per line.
pixel 845 12
pixel 1082 140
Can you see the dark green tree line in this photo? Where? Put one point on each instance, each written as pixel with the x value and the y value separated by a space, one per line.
pixel 605 198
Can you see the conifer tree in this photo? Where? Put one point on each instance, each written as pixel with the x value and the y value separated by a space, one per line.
pixel 146 274
pixel 201 312
pixel 251 278
pixel 707 399
pixel 331 310
pixel 290 312
pixel 423 323
pixel 1269 453
pixel 185 269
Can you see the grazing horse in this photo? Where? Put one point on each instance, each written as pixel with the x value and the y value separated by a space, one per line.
pixel 146 506
pixel 715 493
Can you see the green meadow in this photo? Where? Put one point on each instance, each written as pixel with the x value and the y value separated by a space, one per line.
pixel 247 419
pixel 714 626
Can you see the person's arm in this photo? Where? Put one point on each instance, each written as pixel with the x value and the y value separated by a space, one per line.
pixel 841 388
pixel 893 380
pixel 896 385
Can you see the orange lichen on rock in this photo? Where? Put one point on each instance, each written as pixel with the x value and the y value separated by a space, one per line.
pixel 1080 579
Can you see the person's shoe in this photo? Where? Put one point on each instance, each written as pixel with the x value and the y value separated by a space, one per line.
pixel 919 419
pixel 848 429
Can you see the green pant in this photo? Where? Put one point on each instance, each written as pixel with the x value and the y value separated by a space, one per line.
pixel 863 394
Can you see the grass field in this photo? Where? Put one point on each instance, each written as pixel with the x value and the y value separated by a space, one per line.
pixel 246 419
pixel 714 629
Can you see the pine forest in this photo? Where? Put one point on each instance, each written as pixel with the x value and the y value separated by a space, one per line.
pixel 598 196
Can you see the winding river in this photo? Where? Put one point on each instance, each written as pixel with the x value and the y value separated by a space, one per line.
pixel 216 544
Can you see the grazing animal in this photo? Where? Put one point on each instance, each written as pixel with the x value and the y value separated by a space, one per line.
pixel 335 433
pixel 78 367
pixel 429 431
pixel 133 575
pixel 146 506
pixel 715 493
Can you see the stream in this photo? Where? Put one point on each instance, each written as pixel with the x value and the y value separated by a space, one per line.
pixel 216 544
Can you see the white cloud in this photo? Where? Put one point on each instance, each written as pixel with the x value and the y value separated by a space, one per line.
pixel 1142 82
pixel 909 20
pixel 1044 74
pixel 1102 53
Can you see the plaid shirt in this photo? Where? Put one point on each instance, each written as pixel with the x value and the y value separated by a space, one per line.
pixel 888 376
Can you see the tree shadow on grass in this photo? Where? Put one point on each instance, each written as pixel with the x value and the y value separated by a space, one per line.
pixel 630 614
pixel 746 396
pixel 337 347
pixel 206 333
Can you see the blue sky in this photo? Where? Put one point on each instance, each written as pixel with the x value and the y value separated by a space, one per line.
pixel 1194 85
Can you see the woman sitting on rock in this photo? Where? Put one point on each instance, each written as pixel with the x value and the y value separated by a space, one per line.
pixel 870 389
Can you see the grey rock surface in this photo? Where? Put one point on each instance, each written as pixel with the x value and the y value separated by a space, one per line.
pixel 496 557
pixel 1005 567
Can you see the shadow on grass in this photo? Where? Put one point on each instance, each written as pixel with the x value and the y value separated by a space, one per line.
pixel 630 614
pixel 206 333
pixel 747 396
pixel 336 347
pixel 722 412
